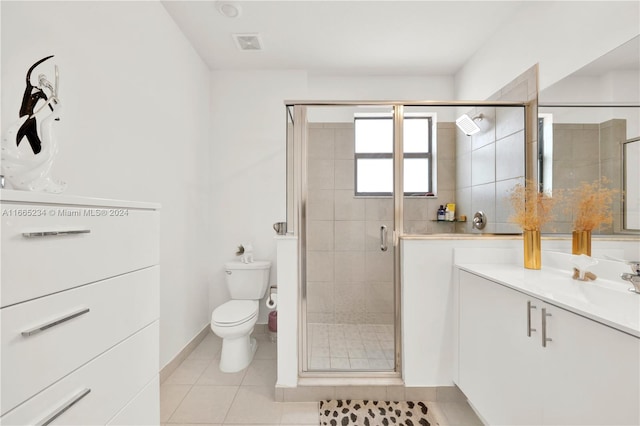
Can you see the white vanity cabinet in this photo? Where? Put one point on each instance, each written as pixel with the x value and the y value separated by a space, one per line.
pixel 587 373
pixel 79 310
pixel 497 361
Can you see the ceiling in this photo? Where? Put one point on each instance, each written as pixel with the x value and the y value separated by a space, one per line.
pixel 346 37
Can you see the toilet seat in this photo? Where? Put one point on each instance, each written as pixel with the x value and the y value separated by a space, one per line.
pixel 234 312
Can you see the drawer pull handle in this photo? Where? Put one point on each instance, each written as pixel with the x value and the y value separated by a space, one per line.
pixel 53 323
pixel 529 308
pixel 545 339
pixel 64 407
pixel 54 233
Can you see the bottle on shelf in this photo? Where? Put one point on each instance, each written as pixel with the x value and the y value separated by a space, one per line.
pixel 441 213
pixel 451 212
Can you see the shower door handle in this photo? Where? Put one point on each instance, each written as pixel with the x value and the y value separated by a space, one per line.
pixel 383 238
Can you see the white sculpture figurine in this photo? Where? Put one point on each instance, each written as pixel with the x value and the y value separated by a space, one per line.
pixel 28 167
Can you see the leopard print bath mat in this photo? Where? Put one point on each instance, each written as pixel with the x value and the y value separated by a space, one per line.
pixel 352 412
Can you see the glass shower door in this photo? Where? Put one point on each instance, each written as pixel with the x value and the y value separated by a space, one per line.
pixel 349 275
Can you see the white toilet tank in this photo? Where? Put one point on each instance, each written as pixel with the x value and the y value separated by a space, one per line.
pixel 247 281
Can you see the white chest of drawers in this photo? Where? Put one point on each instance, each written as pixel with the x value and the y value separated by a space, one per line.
pixel 79 309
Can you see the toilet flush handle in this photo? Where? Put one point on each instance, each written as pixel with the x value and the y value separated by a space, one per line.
pixel 228 272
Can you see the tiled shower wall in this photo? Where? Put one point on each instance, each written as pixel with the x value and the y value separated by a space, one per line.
pixel 493 161
pixel 585 153
pixel 489 164
pixel 420 213
pixel 349 279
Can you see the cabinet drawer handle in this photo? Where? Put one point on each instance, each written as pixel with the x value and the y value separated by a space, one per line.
pixel 545 339
pixel 529 308
pixel 53 323
pixel 64 407
pixel 53 233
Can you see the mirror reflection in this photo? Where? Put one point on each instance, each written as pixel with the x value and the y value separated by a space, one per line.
pixel 588 123
pixel 585 144
pixel 631 182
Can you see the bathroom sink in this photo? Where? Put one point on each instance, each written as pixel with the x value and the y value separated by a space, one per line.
pixel 606 299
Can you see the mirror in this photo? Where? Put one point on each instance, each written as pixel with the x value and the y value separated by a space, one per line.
pixel 587 123
pixel 631 182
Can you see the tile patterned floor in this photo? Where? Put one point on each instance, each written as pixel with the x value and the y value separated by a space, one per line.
pixel 351 347
pixel 197 393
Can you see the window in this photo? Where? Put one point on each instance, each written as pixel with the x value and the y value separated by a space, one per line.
pixel 374 154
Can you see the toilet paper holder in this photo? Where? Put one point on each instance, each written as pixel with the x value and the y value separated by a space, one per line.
pixel 271 302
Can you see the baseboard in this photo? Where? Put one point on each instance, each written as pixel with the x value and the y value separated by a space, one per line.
pixel 383 392
pixel 171 366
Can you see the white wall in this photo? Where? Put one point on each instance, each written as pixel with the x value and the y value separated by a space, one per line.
pixel 135 126
pixel 382 87
pixel 248 167
pixel 562 36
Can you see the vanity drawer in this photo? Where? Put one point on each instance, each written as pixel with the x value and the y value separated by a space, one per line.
pixel 46 249
pixel 112 380
pixel 144 409
pixel 79 324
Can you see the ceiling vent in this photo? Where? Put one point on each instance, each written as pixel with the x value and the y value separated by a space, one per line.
pixel 248 41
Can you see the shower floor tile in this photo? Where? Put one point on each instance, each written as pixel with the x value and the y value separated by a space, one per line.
pixel 358 347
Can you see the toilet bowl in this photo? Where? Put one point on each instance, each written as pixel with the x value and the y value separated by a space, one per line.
pixel 234 320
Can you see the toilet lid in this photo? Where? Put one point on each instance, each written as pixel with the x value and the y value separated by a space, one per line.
pixel 235 312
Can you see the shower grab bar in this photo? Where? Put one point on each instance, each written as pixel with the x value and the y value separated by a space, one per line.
pixel 383 238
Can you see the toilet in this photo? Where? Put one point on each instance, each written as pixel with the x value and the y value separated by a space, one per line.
pixel 233 321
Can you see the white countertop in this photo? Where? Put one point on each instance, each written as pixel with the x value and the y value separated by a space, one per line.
pixel 605 301
pixel 30 197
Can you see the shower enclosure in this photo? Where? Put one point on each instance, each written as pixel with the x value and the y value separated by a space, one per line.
pixel 359 176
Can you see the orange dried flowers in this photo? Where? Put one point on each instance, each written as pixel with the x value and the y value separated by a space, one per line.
pixel 591 205
pixel 531 208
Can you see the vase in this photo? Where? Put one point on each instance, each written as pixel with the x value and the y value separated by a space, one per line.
pixel 532 254
pixel 581 242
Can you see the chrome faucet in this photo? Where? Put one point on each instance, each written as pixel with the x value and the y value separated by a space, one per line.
pixel 633 278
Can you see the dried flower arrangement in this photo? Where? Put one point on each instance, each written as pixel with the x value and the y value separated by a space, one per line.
pixel 531 208
pixel 591 204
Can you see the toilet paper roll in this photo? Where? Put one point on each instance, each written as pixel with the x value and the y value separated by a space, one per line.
pixel 272 301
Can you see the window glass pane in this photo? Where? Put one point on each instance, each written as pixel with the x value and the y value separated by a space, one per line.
pixel 416 134
pixel 374 135
pixel 416 175
pixel 374 175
